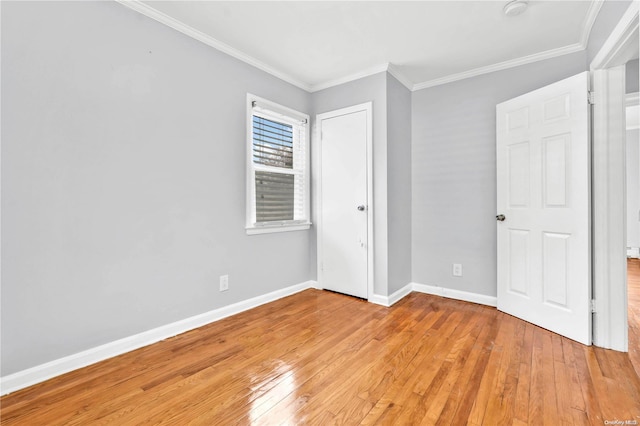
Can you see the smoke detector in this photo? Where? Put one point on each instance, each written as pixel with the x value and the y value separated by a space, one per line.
pixel 515 7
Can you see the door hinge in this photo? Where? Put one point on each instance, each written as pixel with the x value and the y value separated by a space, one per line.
pixel 591 98
pixel 593 306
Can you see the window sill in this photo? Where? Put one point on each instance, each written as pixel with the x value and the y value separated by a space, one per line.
pixel 254 230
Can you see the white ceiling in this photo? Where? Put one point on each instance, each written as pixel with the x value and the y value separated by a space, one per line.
pixel 317 44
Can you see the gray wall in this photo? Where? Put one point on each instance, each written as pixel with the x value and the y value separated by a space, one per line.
pixel 631 76
pixel 454 172
pixel 123 176
pixel 372 88
pixel 123 180
pixel 633 188
pixel 398 183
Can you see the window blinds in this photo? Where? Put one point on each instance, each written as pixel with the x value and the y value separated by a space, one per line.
pixel 279 167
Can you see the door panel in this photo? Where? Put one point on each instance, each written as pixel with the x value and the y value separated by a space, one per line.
pixel 543 186
pixel 343 188
pixel 519 271
pixel 519 174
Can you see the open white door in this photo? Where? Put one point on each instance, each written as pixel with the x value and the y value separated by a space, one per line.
pixel 543 201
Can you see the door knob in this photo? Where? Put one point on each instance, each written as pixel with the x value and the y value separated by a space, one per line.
pixel 361 207
pixel 500 217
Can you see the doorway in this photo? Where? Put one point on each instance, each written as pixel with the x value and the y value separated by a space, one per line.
pixel 608 195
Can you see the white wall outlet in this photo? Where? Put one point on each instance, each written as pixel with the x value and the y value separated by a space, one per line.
pixel 457 269
pixel 224 282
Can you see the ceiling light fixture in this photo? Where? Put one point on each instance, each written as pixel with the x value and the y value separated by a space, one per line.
pixel 515 7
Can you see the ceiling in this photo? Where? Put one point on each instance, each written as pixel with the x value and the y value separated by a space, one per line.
pixel 318 44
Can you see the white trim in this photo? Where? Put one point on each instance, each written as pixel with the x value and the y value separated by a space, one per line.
pixel 609 211
pixel 612 52
pixel 167 20
pixel 352 77
pixel 272 229
pixel 500 66
pixel 632 99
pixel 632 113
pixel 1 177
pixel 40 373
pixel 378 299
pixel 398 295
pixel 316 171
pixel 393 298
pixel 395 71
pixel 257 106
pixel 449 293
pixel 610 322
pixel 590 19
pixel 456 294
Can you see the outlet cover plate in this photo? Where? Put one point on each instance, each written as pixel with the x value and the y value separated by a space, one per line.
pixel 224 282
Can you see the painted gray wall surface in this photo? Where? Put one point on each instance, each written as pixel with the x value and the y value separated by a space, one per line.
pixel 454 171
pixel 608 17
pixel 632 77
pixel 123 180
pixel 398 183
pixel 372 88
pixel 633 188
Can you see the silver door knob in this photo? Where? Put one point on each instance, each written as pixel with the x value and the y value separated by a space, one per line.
pixel 361 207
pixel 500 217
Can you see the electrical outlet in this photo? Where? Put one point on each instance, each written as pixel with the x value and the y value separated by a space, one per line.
pixel 224 282
pixel 457 269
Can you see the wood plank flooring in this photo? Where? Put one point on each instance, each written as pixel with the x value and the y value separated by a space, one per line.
pixel 633 284
pixel 320 358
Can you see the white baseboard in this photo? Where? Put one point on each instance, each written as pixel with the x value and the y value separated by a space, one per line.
pixel 400 294
pixel 435 290
pixel 379 300
pixel 456 294
pixel 393 298
pixel 633 252
pixel 40 373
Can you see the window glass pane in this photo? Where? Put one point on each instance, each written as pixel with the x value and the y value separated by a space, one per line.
pixel 272 143
pixel 274 196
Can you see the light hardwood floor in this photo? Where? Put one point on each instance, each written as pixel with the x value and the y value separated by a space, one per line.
pixel 633 284
pixel 321 358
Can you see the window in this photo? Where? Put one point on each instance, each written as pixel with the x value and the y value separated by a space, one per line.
pixel 277 168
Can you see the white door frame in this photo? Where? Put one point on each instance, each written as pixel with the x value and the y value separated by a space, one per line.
pixel 317 187
pixel 610 321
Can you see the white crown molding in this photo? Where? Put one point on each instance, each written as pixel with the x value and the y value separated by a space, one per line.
pixel 619 39
pixel 388 67
pixel 352 77
pixel 40 373
pixel 395 71
pixel 632 99
pixel 548 54
pixel 155 14
pixel 590 19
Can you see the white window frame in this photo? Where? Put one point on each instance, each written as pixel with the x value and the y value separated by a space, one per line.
pixel 272 110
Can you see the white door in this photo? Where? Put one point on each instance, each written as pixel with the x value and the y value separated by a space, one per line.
pixel 543 182
pixel 343 200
